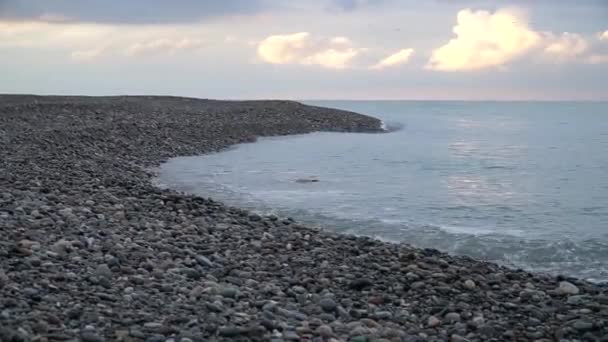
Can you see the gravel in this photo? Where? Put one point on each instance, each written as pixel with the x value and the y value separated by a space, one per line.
pixel 91 250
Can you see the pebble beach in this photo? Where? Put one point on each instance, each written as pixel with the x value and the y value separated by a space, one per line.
pixel 91 250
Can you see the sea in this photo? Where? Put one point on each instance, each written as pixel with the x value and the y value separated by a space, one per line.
pixel 522 184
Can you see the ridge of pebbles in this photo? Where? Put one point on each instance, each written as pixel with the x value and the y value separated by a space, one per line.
pixel 91 251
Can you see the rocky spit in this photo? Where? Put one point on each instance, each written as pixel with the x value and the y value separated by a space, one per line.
pixel 91 251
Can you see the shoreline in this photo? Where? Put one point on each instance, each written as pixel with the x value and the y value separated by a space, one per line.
pixel 84 226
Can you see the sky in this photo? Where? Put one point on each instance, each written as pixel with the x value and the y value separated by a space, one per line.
pixel 315 49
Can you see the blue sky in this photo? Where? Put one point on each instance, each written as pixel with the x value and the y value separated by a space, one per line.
pixel 318 49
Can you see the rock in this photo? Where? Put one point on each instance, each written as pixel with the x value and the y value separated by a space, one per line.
pixel 325 331
pixel 469 285
pixel 230 331
pixel 204 261
pixel 360 284
pixel 452 317
pixel 328 304
pixel 229 292
pixel 62 247
pixel 3 278
pixel 566 288
pixel 103 271
pixel 89 336
pixel 478 321
pixel 307 180
pixel 291 336
pixel 576 299
pixel 153 325
pixel 433 322
pixel 215 307
pixel 457 338
pixel 582 325
pixel 383 315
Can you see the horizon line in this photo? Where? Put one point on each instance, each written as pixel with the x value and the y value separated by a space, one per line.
pixel 257 98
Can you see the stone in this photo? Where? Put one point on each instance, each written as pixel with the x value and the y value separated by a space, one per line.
pixel 153 325
pixel 291 336
pixel 433 322
pixel 204 261
pixel 582 325
pixel 229 292
pixel 383 315
pixel 103 271
pixel 328 304
pixel 89 336
pixel 4 279
pixel 576 299
pixel 325 331
pixel 469 285
pixel 230 331
pixel 567 288
pixel 452 317
pixel 360 284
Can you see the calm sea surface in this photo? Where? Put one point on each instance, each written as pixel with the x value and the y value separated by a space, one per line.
pixel 523 184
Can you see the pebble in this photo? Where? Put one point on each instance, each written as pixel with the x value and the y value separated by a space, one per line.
pixel 582 325
pixel 103 271
pixel 469 285
pixel 433 322
pixel 325 331
pixel 360 284
pixel 230 331
pixel 229 292
pixel 566 288
pixel 328 304
pixel 452 317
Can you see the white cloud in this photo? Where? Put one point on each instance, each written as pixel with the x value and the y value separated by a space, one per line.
pixel 87 41
pixel 398 58
pixel 302 48
pixel 163 45
pixel 87 55
pixel 46 34
pixel 568 46
pixel 604 35
pixel 332 58
pixel 485 40
pixel 284 49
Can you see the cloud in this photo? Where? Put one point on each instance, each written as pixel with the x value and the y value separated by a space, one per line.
pixel 604 35
pixel 302 48
pixel 568 46
pixel 485 40
pixel 89 41
pixel 44 34
pixel 87 55
pixel 158 46
pixel 398 58
pixel 130 12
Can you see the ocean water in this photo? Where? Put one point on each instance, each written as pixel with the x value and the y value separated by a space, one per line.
pixel 523 184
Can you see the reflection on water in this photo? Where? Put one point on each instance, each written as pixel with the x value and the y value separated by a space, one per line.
pixel 474 143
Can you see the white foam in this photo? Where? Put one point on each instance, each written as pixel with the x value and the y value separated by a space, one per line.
pixel 383 126
pixel 478 231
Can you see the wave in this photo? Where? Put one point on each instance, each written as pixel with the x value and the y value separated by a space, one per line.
pixel 391 126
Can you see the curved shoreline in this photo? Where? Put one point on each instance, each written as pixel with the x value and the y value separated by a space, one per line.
pixel 83 226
